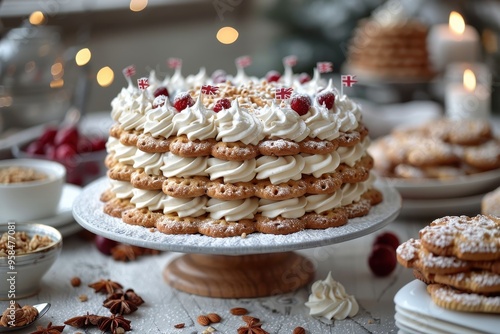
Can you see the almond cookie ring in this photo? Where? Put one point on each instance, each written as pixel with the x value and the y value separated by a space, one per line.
pixel 279 225
pixel 141 217
pixel 115 131
pixel 230 191
pixel 348 139
pixel 221 228
pixel 121 172
pixel 185 188
pixel 353 174
pixel 318 146
pixel 451 299
pixel 325 184
pixel 129 138
pixel 173 224
pixel 374 196
pixel 468 238
pixel 150 144
pixel 141 180
pixel 282 191
pixel 116 206
pixel 278 147
pixel 186 148
pixel 234 151
pixel 490 204
pixel 331 218
pixel 358 209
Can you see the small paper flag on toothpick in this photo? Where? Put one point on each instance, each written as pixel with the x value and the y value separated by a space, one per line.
pixel 348 80
pixel 209 89
pixel 174 63
pixel 243 61
pixel 283 93
pixel 324 67
pixel 290 61
pixel 128 72
pixel 143 83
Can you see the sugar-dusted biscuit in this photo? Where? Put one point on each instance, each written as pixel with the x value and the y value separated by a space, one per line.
pixel 116 206
pixel 142 217
pixel 279 225
pixel 318 146
pixel 490 204
pixel 348 139
pixel 110 160
pixel 468 238
pixel 477 281
pixel 107 195
pixel 452 299
pixel 485 156
pixel 331 218
pixel 353 174
pixel 325 184
pixel 173 224
pixel 278 147
pixel 374 195
pixel 222 229
pixel 230 191
pixel 358 209
pixel 234 151
pixel 120 172
pixel 141 180
pixel 129 138
pixel 185 187
pixel 150 144
pixel 184 147
pixel 282 191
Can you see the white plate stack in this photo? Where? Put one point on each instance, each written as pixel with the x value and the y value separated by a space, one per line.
pixel 416 313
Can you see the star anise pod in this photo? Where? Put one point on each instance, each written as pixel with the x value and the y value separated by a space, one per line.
pixel 134 297
pixel 252 329
pixel 49 329
pixel 84 320
pixel 110 324
pixel 125 252
pixel 106 286
pixel 118 304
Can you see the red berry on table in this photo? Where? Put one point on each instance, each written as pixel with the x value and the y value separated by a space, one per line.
pixel 300 103
pixel 222 104
pixel 326 98
pixel 67 135
pixel 48 136
pixel 161 91
pixel 304 77
pixel 273 76
pixel 183 101
pixel 104 245
pixel 65 152
pixel 36 147
pixel 387 238
pixel 84 145
pixel 50 151
pixel 382 260
pixel 98 144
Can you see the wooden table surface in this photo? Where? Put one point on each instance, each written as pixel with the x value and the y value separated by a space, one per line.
pixel 165 307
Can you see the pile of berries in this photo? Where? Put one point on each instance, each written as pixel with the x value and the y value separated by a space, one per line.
pixel 382 260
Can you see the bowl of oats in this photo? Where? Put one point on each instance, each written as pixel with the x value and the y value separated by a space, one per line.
pixel 27 252
pixel 30 189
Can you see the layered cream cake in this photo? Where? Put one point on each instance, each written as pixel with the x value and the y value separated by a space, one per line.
pixel 237 160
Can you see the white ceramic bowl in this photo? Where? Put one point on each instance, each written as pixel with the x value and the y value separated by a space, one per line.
pixel 25 201
pixel 24 277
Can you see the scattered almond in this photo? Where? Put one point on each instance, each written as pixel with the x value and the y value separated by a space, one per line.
pixel 83 298
pixel 238 311
pixel 214 317
pixel 203 320
pixel 299 330
pixel 251 321
pixel 181 325
pixel 76 281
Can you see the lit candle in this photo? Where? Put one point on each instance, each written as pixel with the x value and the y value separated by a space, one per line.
pixel 468 99
pixel 453 42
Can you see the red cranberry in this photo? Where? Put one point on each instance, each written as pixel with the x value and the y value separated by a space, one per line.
pixel 36 147
pixel 326 98
pixel 48 136
pixel 98 144
pixel 104 245
pixel 387 238
pixel 301 104
pixel 222 104
pixel 183 101
pixel 67 135
pixel 304 77
pixel 382 260
pixel 273 76
pixel 65 152
pixel 161 91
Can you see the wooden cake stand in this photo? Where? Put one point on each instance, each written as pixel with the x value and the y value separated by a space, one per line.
pixel 256 266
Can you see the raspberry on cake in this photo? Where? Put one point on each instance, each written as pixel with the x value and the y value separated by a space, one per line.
pixel 238 161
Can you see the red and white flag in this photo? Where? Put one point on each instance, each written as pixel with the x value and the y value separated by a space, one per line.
pixel 349 80
pixel 243 61
pixel 290 61
pixel 283 93
pixel 129 71
pixel 324 67
pixel 209 90
pixel 143 83
pixel 174 63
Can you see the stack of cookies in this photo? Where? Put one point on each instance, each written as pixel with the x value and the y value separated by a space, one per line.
pixel 439 149
pixel 490 204
pixel 458 257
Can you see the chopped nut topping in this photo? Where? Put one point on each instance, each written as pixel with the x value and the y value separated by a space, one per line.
pixel 20 174
pixel 23 243
pixel 22 315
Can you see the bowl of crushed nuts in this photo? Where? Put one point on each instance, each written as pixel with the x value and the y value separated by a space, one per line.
pixel 27 252
pixel 30 189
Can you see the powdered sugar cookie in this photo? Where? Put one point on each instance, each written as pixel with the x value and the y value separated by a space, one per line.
pixel 184 147
pixel 234 151
pixel 318 146
pixel 150 144
pixel 141 180
pixel 185 187
pixel 452 299
pixel 278 147
pixel 230 191
pixel 223 229
pixel 279 225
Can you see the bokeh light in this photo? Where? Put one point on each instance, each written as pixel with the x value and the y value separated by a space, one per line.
pixel 138 5
pixel 37 18
pixel 83 56
pixel 227 35
pixel 105 76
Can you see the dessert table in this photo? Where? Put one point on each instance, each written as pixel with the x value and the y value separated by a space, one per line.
pixel 165 307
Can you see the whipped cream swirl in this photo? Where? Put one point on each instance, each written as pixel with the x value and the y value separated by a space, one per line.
pixel 237 124
pixel 280 169
pixel 196 122
pixel 174 165
pixel 159 121
pixel 290 208
pixel 232 211
pixel 282 122
pixel 231 171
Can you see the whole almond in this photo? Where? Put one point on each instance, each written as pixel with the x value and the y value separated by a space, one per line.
pixel 181 325
pixel 214 317
pixel 299 330
pixel 238 311
pixel 203 320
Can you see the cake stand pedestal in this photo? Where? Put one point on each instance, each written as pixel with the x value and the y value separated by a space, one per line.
pixel 256 266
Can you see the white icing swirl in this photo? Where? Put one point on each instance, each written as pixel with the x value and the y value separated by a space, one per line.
pixel 176 83
pixel 231 171
pixel 237 124
pixel 196 122
pixel 329 300
pixel 197 80
pixel 348 113
pixel 184 207
pixel 112 144
pixel 159 121
pixel 323 202
pixel 280 169
pixel 123 101
pixel 289 208
pixel 151 162
pixel 282 122
pixel 121 189
pixel 134 120
pixel 174 165
pixel 322 123
pixel 125 154
pixel 150 199
pixel 351 192
pixel 351 155
pixel 232 211
pixel 319 164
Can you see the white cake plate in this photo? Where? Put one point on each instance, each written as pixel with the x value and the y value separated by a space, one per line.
pixel 233 267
